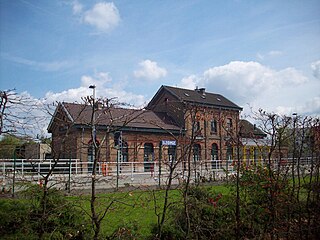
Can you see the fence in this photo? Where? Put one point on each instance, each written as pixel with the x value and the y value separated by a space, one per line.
pixel 68 170
pixel 77 167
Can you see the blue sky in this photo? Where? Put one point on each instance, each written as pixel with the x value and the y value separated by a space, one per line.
pixel 260 54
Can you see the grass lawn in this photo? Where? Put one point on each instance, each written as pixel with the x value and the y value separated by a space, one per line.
pixel 133 208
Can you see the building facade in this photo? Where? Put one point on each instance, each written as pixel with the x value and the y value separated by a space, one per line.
pixel 176 123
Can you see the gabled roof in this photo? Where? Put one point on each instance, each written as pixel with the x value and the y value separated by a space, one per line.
pixel 198 96
pixel 249 130
pixel 80 115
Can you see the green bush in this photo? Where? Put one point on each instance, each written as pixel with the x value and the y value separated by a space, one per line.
pixel 26 217
pixel 126 231
pixel 14 218
pixel 208 216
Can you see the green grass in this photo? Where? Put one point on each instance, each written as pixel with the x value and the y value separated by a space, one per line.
pixel 136 207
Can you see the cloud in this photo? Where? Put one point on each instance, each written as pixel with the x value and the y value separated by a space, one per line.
pixel 249 79
pixel 42 66
pixel 77 7
pixel 104 89
pixel 99 80
pixel 311 108
pixel 272 53
pixel 315 66
pixel 189 82
pixel 103 16
pixel 150 70
pixel 259 86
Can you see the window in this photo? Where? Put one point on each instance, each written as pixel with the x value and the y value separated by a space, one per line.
pixel 213 126
pixel 148 157
pixel 214 157
pixel 229 152
pixel 196 152
pixel 214 151
pixel 148 152
pixel 63 128
pixel 229 124
pixel 90 153
pixel 124 152
pixel 171 153
pixel 90 157
pixel 196 127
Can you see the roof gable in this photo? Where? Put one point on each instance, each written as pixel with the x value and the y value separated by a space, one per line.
pixel 249 130
pixel 197 96
pixel 81 115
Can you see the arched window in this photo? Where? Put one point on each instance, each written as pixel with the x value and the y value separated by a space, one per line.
pixel 90 153
pixel 124 152
pixel 214 157
pixel 196 152
pixel 171 153
pixel 229 152
pixel 148 152
pixel 148 157
pixel 214 151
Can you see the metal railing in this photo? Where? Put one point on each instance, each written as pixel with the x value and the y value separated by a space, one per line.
pixel 72 173
pixel 77 167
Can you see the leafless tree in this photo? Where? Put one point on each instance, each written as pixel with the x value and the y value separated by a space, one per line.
pixel 21 115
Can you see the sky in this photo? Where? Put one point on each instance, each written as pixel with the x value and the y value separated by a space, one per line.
pixel 258 54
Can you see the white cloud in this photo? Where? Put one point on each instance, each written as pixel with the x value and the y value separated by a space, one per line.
pixel 259 86
pixel 311 108
pixel 272 53
pixel 104 16
pixel 260 56
pixel 77 7
pixel 248 79
pixel 315 66
pixel 150 70
pixel 41 66
pixel 99 80
pixel 104 89
pixel 189 82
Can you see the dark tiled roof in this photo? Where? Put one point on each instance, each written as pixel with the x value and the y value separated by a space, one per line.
pixel 249 130
pixel 119 117
pixel 199 96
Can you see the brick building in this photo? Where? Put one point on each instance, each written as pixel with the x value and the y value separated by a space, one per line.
pixel 197 122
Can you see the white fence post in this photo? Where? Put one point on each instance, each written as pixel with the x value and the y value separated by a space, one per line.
pixel 132 171
pixel 22 167
pixel 39 168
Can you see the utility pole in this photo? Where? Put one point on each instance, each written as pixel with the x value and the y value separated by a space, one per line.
pixel 93 126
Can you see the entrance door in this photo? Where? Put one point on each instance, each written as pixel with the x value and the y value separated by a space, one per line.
pixel 148 157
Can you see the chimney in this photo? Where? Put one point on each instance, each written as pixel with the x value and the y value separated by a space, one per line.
pixel 201 90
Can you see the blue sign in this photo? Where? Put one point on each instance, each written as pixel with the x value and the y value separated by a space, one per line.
pixel 169 142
